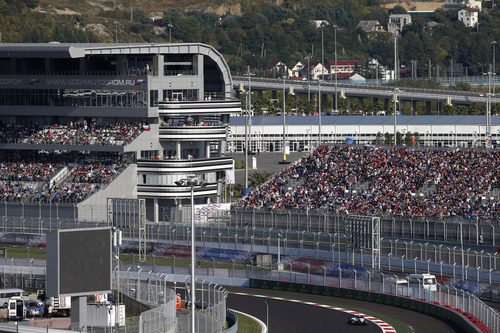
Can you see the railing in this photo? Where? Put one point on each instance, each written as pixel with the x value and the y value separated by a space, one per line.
pixel 210 302
pixel 447 229
pixel 149 284
pixel 339 275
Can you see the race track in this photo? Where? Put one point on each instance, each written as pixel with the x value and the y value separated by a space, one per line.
pixel 286 317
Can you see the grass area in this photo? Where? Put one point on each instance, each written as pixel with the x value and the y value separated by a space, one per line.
pixel 25 252
pixel 247 324
pixel 41 253
pixel 184 262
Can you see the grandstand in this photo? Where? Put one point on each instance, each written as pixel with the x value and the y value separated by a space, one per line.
pixel 397 181
pixel 80 123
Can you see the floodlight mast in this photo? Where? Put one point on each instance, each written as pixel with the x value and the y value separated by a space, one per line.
pixel 192 181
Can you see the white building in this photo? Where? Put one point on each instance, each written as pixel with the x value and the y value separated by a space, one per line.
pixel 476 4
pixel 296 69
pixel 397 22
pixel 302 132
pixel 469 17
pixel 314 70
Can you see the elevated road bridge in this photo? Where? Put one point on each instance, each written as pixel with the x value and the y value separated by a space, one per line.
pixel 364 91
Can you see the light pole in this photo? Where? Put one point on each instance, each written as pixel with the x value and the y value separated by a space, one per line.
pixel 308 58
pixel 284 161
pixel 248 125
pixel 322 48
pixel 267 317
pixel 319 109
pixel 192 181
pixel 246 130
pixel 116 31
pixel 395 98
pixel 170 26
pixel 336 69
pixel 493 45
pixel 395 56
pixel 279 256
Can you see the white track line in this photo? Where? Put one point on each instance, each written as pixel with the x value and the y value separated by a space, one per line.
pixel 385 327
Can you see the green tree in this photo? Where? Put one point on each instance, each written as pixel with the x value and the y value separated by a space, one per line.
pixel 258 178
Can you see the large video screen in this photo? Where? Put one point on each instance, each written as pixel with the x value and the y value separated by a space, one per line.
pixel 82 262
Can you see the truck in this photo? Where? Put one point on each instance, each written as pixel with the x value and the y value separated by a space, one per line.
pixel 60 306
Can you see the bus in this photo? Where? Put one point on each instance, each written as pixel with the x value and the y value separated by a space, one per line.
pixel 427 281
pixel 6 294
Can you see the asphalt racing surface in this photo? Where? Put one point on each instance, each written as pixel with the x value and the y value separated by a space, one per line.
pixel 289 317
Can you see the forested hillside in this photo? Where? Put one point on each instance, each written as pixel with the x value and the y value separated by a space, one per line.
pixel 257 32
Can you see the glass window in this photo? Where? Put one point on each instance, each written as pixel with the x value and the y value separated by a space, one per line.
pixel 153 98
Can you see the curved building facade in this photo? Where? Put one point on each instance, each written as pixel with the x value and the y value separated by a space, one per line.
pixel 179 93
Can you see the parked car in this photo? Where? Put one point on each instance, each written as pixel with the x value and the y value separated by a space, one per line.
pixel 357 320
pixel 33 309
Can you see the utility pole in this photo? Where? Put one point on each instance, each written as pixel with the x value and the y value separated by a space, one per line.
pixel 493 44
pixel 395 56
pixel 319 111
pixel 336 71
pixel 395 98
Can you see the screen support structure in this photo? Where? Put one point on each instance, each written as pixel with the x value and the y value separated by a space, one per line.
pixel 364 232
pixel 129 214
pixel 79 313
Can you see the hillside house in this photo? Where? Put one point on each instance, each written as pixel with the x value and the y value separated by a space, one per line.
pixel 313 70
pixel 469 17
pixel 397 22
pixel 370 26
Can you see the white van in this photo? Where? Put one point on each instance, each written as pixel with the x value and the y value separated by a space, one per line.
pixel 17 308
pixel 6 294
pixel 427 281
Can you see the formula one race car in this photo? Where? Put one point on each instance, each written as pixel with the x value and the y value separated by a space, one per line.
pixel 357 320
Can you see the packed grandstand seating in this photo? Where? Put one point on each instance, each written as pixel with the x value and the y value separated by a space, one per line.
pixel 31 181
pixel 28 171
pixel 373 180
pixel 72 133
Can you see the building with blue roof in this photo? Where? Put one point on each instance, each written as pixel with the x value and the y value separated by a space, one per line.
pixel 302 133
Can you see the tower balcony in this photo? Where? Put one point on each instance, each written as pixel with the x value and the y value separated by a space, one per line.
pixel 192 133
pixel 199 108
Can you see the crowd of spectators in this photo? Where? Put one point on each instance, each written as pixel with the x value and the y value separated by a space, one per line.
pixel 97 172
pixel 72 133
pixel 30 181
pixel 388 181
pixel 28 171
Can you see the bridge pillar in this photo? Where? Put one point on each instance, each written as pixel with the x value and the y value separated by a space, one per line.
pixel 386 104
pixel 259 94
pixel 274 94
pixel 427 107
pixel 413 107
